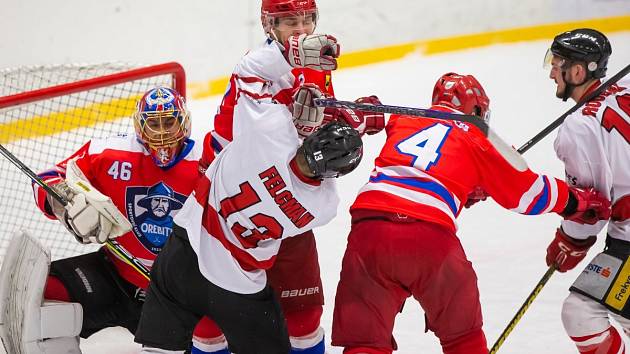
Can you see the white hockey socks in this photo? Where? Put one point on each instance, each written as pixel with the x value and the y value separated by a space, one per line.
pixel 27 325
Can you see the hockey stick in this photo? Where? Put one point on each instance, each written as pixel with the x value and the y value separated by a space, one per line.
pixel 521 311
pixel 113 245
pixel 510 155
pixel 556 123
pixel 408 111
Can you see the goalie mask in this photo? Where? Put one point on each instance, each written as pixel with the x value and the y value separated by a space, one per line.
pixel 162 124
pixel 283 18
pixel 463 93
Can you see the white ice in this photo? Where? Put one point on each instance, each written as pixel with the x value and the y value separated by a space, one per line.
pixel 507 250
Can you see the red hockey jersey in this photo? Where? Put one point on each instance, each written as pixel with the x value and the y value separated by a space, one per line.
pixel 427 168
pixel 149 196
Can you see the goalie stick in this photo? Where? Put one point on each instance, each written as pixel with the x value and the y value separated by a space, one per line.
pixel 113 245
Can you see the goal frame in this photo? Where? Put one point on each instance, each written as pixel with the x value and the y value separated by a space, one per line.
pixel 173 68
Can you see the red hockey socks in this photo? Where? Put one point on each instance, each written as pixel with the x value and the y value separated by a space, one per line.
pixel 606 342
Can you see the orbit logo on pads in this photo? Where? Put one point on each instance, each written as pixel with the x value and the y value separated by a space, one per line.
pixel 150 211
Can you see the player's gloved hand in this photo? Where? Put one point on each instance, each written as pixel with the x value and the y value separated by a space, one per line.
pixel 586 206
pixel 306 116
pixel 363 122
pixel 315 51
pixel 374 121
pixel 476 195
pixel 566 252
pixel 89 215
pixel 86 222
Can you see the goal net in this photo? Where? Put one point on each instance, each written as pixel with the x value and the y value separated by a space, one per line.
pixel 46 114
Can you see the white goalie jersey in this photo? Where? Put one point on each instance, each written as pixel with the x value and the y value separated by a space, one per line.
pixel 594 144
pixel 251 197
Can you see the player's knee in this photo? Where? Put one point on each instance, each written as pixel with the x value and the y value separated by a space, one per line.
pixel 582 316
pixel 303 322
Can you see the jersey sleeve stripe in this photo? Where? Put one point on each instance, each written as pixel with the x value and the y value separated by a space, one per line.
pixel 528 197
pixel 541 201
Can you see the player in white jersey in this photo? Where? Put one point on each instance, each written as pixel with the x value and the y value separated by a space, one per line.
pixel 594 144
pixel 263 187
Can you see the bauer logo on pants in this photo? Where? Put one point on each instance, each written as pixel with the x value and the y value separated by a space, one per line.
pixel 150 211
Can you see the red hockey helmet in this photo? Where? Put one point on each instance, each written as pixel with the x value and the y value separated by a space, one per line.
pixel 271 10
pixel 463 93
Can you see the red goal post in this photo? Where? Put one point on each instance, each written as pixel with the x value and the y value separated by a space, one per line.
pixel 47 113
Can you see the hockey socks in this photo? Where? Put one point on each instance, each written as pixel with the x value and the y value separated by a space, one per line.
pixel 606 342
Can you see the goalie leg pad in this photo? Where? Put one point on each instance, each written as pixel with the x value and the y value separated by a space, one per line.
pixel 24 323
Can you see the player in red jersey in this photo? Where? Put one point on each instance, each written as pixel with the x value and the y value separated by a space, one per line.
pixel 291 55
pixel 594 145
pixel 147 177
pixel 403 238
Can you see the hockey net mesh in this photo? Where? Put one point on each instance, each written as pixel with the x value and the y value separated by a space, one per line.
pixel 47 131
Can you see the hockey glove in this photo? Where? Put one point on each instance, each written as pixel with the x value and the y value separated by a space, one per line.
pixel 586 206
pixel 315 51
pixel 306 116
pixel 476 195
pixel 89 215
pixel 374 122
pixel 363 122
pixel 566 252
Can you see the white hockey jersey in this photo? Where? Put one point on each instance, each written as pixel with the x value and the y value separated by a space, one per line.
pixel 594 144
pixel 251 197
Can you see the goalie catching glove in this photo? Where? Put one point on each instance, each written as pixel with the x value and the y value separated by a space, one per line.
pixel 89 215
pixel 314 51
pixel 364 122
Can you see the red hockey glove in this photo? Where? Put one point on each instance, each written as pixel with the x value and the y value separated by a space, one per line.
pixel 315 51
pixel 363 122
pixel 374 122
pixel 476 195
pixel 566 252
pixel 586 206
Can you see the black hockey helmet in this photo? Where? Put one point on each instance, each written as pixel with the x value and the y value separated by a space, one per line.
pixel 332 151
pixel 585 45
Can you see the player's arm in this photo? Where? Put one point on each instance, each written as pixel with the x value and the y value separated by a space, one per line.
pixel 585 166
pixel 584 161
pixel 89 215
pixel 530 193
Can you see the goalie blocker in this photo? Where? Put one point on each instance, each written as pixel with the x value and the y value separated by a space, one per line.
pixel 28 325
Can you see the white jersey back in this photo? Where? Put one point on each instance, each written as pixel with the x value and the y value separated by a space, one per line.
pixel 594 144
pixel 251 198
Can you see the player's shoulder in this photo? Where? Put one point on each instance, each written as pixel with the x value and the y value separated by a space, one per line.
pixel 122 142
